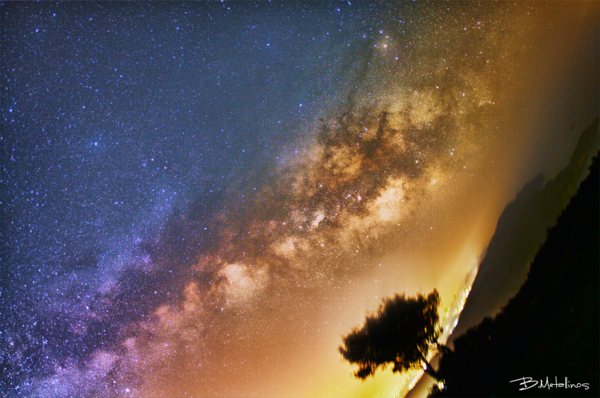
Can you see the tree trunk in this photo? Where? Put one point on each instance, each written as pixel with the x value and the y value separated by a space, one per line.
pixel 444 349
pixel 429 369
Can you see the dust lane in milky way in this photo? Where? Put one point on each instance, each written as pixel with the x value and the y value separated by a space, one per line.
pixel 202 198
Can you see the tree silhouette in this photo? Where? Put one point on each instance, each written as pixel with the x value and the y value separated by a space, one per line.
pixel 401 332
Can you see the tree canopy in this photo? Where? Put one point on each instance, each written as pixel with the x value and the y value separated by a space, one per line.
pixel 400 333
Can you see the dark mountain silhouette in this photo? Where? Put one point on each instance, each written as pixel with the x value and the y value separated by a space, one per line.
pixel 520 232
pixel 549 330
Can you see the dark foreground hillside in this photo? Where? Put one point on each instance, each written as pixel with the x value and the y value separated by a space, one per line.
pixel 550 330
pixel 521 231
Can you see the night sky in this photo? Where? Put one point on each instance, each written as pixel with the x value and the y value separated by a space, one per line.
pixel 200 199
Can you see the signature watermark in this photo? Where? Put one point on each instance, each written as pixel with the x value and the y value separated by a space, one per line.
pixel 528 382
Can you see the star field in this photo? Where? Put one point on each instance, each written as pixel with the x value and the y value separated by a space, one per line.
pixel 198 198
